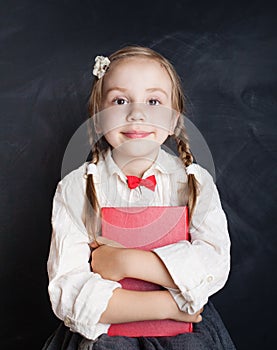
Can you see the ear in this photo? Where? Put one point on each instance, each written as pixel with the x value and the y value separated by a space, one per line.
pixel 174 120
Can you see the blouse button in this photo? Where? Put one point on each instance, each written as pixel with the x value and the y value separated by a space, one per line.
pixel 210 279
pixel 67 322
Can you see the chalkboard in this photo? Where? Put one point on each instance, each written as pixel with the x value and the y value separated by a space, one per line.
pixel 226 55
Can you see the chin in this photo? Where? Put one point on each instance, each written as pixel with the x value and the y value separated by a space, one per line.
pixel 138 148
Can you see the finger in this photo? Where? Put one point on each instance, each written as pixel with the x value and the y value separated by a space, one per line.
pixel 195 318
pixel 92 260
pixel 199 311
pixel 94 244
pixel 103 240
pixel 198 319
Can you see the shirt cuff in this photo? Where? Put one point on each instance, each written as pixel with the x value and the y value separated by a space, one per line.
pixel 88 307
pixel 188 273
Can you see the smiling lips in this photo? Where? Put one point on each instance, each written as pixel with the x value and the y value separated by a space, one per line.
pixel 136 134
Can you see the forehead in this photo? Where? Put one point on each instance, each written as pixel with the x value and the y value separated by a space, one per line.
pixel 139 70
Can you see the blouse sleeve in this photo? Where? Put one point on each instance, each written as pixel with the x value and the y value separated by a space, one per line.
pixel 200 268
pixel 78 296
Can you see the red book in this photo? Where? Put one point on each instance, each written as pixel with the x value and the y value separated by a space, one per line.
pixel 146 228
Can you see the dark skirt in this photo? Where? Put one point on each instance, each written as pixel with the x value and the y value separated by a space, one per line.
pixel 209 334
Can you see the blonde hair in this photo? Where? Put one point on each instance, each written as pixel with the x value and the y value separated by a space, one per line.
pixel 99 146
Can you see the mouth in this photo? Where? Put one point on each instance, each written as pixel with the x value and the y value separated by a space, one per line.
pixel 136 134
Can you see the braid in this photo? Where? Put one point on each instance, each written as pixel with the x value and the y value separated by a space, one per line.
pixel 96 152
pixel 187 159
pixel 184 152
pixel 93 213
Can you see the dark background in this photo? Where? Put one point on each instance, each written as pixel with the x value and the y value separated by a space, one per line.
pixel 226 55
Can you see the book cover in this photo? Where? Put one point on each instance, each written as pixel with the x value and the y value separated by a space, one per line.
pixel 146 228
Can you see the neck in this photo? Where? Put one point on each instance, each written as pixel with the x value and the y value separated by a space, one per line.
pixel 135 166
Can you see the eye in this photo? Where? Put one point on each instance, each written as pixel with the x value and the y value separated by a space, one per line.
pixel 154 102
pixel 120 101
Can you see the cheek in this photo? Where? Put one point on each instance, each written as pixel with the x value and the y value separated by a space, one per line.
pixel 112 138
pixel 161 118
pixel 108 125
pixel 110 119
pixel 161 136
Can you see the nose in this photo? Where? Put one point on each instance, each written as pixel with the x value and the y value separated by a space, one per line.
pixel 136 113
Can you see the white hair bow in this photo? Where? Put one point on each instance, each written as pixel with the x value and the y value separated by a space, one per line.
pixel 101 65
pixel 91 169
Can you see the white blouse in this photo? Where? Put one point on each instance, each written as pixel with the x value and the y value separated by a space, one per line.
pixel 199 268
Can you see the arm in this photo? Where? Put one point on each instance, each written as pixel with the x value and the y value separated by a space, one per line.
pixel 200 268
pixel 73 289
pixel 118 263
pixel 129 306
pixel 192 270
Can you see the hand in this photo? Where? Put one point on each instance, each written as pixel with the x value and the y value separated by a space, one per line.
pixel 178 315
pixel 107 261
pixel 103 240
pixel 185 317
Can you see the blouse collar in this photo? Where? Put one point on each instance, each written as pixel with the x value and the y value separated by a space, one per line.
pixel 165 163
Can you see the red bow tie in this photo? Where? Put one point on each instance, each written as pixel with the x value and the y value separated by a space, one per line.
pixel 149 182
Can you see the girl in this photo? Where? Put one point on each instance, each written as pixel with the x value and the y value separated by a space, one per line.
pixel 136 104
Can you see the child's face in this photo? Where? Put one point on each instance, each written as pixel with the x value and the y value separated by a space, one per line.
pixel 137 115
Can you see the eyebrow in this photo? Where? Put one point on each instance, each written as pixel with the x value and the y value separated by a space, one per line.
pixel 157 89
pixel 116 88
